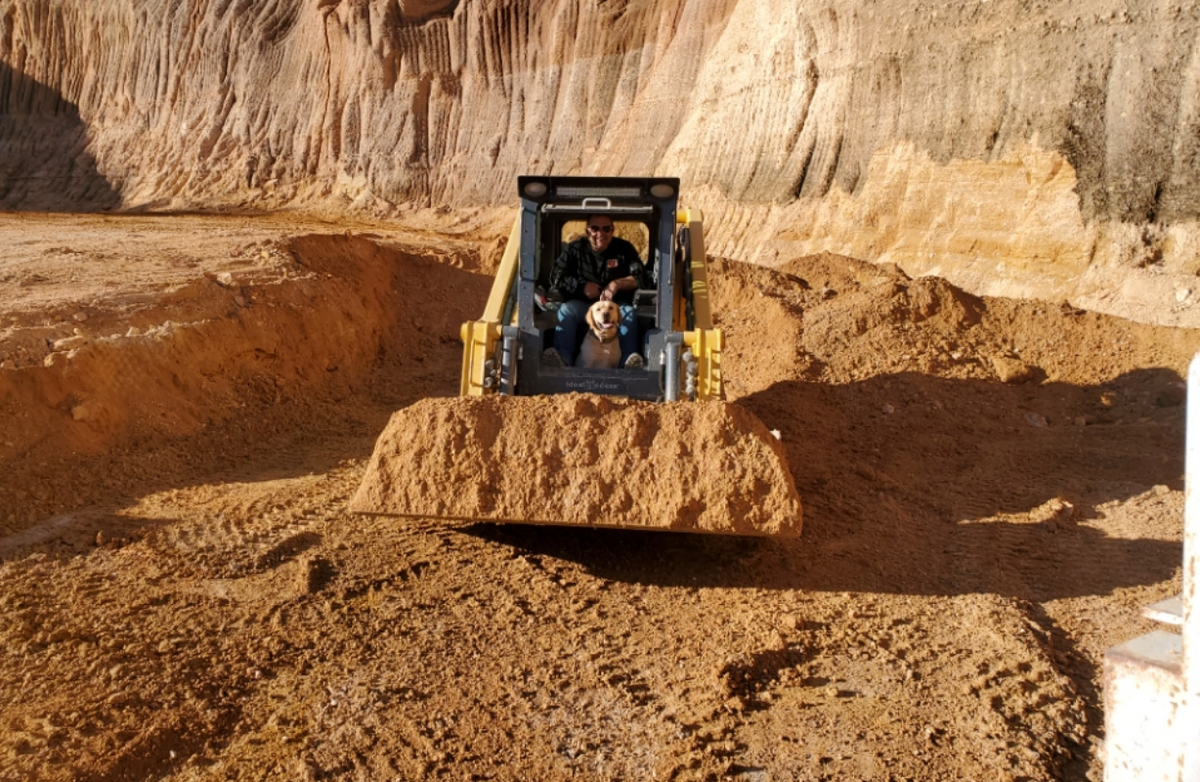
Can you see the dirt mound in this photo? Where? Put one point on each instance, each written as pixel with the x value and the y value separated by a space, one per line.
pixel 580 459
pixel 123 350
pixel 838 320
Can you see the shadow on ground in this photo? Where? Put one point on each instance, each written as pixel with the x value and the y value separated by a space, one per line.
pixel 914 484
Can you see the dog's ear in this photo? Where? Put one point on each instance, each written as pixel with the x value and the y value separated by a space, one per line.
pixel 591 321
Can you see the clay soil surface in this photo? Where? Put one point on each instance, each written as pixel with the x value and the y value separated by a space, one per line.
pixel 991 490
pixel 584 460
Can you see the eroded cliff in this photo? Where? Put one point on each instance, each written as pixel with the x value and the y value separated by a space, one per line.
pixel 1044 149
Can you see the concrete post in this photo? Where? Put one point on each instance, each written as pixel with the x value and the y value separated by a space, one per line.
pixel 1152 683
pixel 1191 581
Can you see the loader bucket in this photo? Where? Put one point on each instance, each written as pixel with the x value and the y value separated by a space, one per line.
pixel 583 460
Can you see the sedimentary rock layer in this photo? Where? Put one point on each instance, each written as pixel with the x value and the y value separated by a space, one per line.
pixel 1046 149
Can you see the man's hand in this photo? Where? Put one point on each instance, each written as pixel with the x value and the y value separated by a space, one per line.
pixel 616 286
pixel 594 291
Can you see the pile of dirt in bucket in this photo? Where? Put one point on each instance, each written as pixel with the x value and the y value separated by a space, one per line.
pixel 581 459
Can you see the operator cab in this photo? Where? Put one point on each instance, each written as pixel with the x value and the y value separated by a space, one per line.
pixel 547 299
pixel 554 211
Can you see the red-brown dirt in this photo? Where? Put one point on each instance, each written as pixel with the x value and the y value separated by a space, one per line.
pixel 583 459
pixel 991 488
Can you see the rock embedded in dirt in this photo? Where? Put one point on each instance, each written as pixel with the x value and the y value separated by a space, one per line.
pixel 1053 513
pixel 1011 370
pixel 1174 395
pixel 581 459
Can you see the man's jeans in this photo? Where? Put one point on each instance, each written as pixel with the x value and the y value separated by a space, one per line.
pixel 572 316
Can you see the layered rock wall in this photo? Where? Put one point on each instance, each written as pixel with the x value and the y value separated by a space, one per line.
pixel 1043 149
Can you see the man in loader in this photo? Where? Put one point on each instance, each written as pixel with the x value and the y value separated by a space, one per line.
pixel 593 267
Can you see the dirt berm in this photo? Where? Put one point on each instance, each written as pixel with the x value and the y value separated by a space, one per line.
pixel 581 459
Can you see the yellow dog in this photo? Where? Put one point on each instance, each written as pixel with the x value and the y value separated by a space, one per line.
pixel 600 347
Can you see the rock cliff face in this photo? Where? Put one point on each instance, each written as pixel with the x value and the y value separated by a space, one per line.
pixel 1018 147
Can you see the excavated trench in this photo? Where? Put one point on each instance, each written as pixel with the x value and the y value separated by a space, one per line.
pixel 100 395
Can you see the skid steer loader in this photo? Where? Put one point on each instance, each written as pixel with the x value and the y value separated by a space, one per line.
pixel 652 447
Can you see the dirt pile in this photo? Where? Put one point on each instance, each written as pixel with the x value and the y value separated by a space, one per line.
pixel 839 320
pixel 580 459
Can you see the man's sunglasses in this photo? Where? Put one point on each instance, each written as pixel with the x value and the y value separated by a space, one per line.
pixel 601 228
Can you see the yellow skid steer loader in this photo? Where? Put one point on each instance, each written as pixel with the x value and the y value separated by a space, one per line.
pixel 533 442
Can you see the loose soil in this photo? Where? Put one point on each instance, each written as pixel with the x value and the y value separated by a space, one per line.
pixel 584 460
pixel 991 490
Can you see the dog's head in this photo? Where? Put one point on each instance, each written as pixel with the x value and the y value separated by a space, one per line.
pixel 603 318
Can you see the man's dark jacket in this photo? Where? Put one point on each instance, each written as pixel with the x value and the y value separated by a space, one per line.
pixel 579 264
